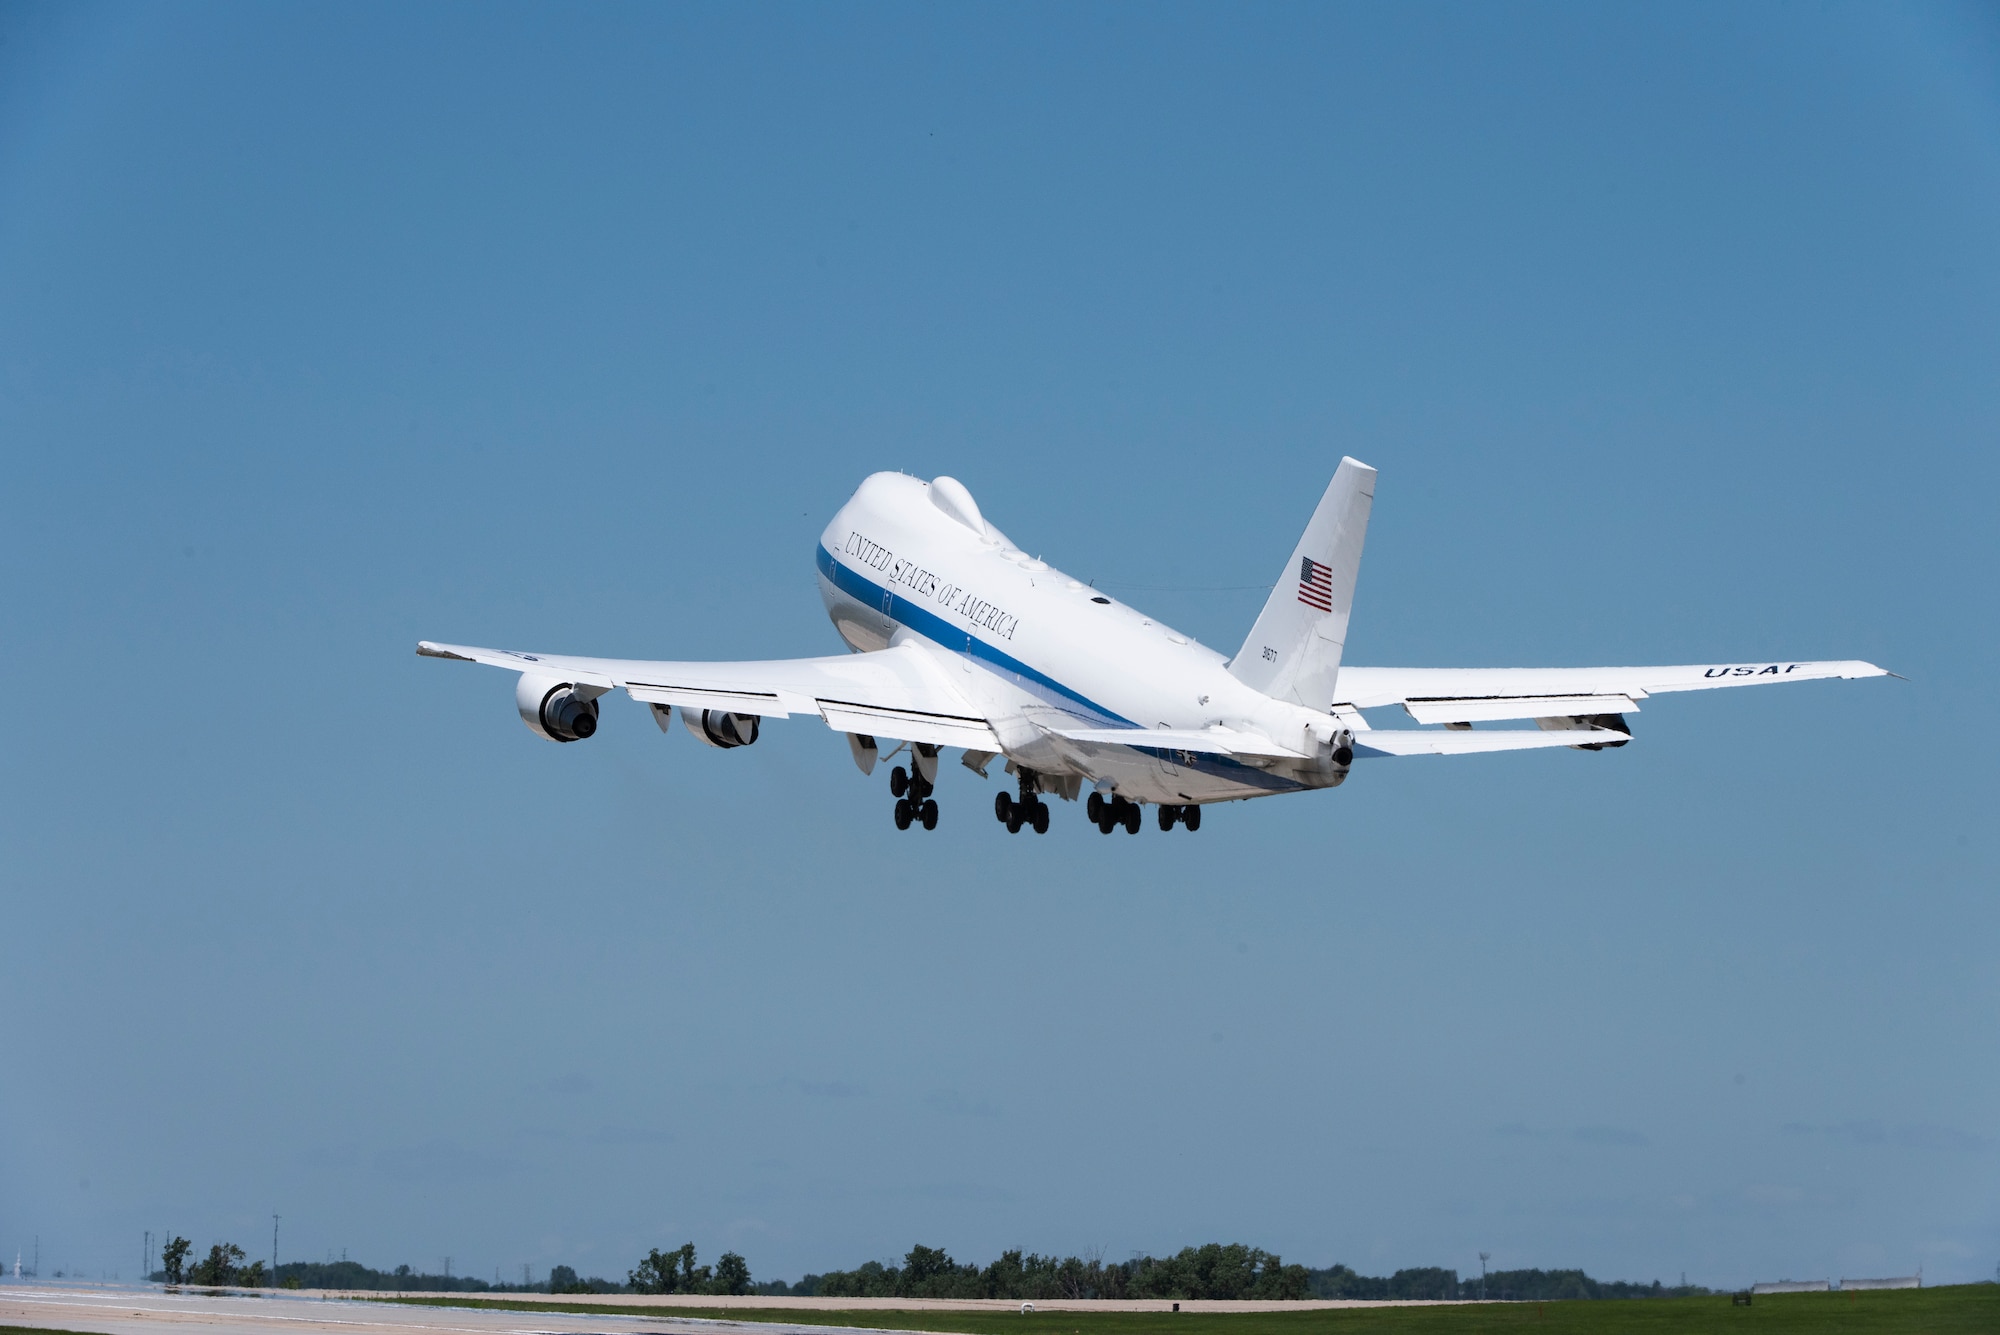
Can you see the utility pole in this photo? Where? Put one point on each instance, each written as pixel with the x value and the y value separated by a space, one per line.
pixel 1483 1257
pixel 274 1251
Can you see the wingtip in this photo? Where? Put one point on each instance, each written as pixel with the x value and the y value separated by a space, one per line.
pixel 425 649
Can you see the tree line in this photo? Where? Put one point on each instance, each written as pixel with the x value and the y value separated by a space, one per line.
pixel 1214 1270
pixel 224 1268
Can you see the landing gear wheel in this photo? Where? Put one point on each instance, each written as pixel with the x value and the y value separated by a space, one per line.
pixel 899 781
pixel 903 813
pixel 1003 807
pixel 1191 817
pixel 929 816
pixel 1167 814
pixel 1094 808
pixel 1041 818
pixel 1131 818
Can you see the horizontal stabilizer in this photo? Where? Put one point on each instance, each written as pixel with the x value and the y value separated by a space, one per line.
pixel 1416 742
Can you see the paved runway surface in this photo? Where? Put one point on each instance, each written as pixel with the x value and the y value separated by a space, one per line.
pixel 144 1310
pixel 141 1312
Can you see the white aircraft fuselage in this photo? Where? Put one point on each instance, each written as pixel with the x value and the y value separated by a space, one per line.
pixel 1038 650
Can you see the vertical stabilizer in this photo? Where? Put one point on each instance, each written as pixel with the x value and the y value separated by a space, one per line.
pixel 1293 652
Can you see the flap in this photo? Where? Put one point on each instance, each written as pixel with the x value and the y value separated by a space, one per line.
pixel 1411 742
pixel 1492 708
pixel 909 725
pixel 769 704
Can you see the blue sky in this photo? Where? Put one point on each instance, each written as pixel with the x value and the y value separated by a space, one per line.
pixel 1673 331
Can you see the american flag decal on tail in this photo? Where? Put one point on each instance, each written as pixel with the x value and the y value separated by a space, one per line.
pixel 1315 584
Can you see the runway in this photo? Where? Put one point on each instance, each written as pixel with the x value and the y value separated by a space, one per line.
pixel 137 1310
pixel 143 1312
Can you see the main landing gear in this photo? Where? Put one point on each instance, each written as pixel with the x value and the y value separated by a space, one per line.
pixel 914 803
pixel 1110 813
pixel 1028 809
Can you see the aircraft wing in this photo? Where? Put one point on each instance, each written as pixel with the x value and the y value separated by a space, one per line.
pixel 1481 695
pixel 901 693
pixel 1368 745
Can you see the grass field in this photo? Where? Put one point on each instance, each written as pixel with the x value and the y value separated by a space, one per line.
pixel 1970 1308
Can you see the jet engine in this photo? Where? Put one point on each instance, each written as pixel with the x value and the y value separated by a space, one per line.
pixel 720 728
pixel 558 710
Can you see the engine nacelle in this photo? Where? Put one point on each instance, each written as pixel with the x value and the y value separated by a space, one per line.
pixel 558 710
pixel 720 728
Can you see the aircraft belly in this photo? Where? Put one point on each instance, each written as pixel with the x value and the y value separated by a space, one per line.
pixel 1024 713
pixel 1140 777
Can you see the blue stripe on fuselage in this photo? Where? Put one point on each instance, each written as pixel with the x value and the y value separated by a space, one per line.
pixel 950 637
pixel 959 640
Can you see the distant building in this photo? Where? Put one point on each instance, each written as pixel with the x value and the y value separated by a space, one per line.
pixel 1793 1286
pixel 1896 1282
